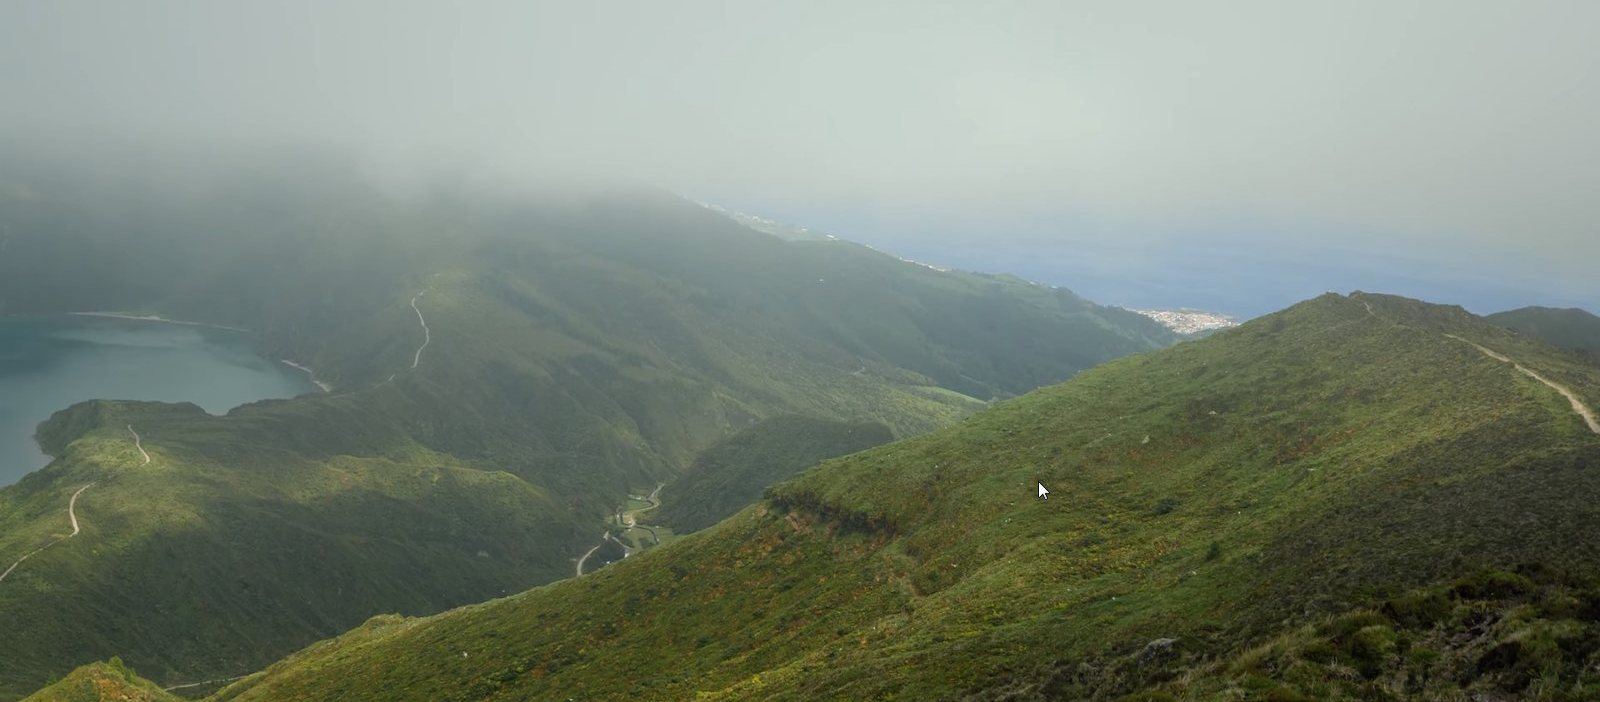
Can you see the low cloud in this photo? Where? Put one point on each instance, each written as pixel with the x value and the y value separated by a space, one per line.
pixel 1460 128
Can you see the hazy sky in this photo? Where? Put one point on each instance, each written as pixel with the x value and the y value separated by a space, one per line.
pixel 1458 135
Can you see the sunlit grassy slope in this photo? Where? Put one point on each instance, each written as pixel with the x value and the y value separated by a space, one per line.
pixel 1222 493
pixel 102 682
pixel 578 350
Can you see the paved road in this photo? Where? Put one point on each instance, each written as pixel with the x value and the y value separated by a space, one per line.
pixel 626 549
pixel 629 519
pixel 205 682
pixel 589 553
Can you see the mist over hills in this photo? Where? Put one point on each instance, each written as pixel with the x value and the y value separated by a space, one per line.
pixel 505 371
pixel 715 350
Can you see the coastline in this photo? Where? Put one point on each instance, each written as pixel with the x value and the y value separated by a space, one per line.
pixel 157 318
pixel 326 388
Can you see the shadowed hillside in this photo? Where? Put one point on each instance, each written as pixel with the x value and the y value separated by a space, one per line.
pixel 733 472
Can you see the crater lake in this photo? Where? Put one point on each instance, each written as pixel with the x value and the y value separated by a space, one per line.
pixel 50 363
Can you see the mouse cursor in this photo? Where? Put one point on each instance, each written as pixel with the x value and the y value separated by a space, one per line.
pixel 1044 494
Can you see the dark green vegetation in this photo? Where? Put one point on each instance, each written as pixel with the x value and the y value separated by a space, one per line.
pixel 580 348
pixel 1491 635
pixel 1249 496
pixel 102 682
pixel 1572 329
pixel 732 473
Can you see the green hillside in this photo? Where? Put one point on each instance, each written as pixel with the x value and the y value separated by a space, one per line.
pixel 102 682
pixel 1572 329
pixel 1223 494
pixel 733 472
pixel 576 350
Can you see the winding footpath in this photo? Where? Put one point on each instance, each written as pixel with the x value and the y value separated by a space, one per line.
pixel 1578 407
pixel 139 444
pixel 1577 404
pixel 72 515
pixel 427 336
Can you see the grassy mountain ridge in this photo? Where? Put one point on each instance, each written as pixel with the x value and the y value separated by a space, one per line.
pixel 102 682
pixel 576 349
pixel 221 549
pixel 1572 329
pixel 1285 470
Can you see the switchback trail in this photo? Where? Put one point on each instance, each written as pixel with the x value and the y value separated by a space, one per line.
pixel 628 520
pixel 138 444
pixel 1572 397
pixel 72 515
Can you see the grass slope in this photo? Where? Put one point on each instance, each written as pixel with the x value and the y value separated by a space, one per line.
pixel 1294 468
pixel 579 349
pixel 1491 635
pixel 1572 329
pixel 228 546
pixel 102 682
pixel 733 473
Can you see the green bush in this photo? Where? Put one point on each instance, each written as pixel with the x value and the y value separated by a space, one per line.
pixel 1494 584
pixel 1418 609
pixel 1370 648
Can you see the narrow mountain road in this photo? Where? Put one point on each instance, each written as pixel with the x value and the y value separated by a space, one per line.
pixel 139 444
pixel 427 335
pixel 626 549
pixel 1577 404
pixel 629 520
pixel 589 553
pixel 186 686
pixel 72 515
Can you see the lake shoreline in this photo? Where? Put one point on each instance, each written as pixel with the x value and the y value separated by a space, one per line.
pixel 55 361
pixel 157 319
pixel 310 374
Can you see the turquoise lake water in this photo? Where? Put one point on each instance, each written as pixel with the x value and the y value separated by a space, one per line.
pixel 49 363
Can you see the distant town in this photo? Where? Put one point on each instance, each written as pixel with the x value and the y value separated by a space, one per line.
pixel 1189 321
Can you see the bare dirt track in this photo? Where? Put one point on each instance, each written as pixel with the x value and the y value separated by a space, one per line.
pixel 1577 405
pixel 72 515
